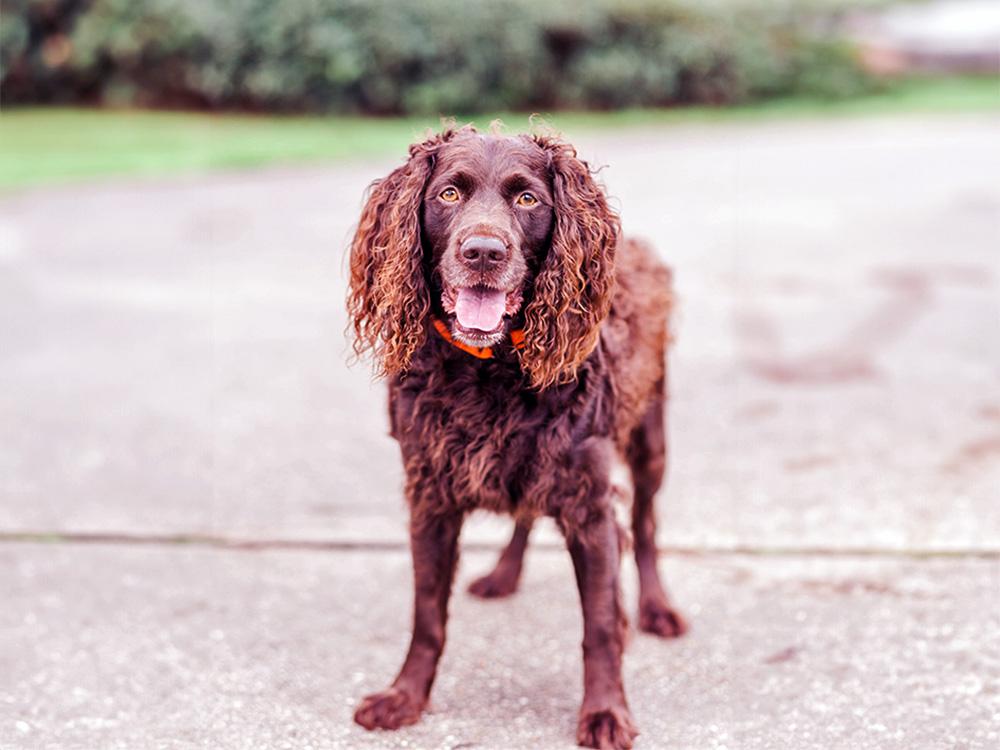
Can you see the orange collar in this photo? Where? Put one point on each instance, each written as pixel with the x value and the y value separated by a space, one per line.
pixel 483 352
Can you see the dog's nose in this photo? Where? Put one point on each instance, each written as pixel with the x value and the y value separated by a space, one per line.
pixel 483 253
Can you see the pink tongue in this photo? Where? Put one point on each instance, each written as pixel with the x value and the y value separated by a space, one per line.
pixel 481 309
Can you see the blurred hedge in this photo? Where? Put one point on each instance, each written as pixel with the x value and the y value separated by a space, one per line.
pixel 394 56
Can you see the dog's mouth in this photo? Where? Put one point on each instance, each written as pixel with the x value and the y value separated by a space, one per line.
pixel 480 308
pixel 479 314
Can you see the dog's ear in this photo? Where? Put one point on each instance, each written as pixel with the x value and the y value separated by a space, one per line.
pixel 573 289
pixel 388 300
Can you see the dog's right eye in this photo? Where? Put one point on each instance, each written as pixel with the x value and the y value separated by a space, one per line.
pixel 449 195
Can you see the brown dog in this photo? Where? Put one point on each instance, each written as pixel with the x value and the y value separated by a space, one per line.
pixel 525 343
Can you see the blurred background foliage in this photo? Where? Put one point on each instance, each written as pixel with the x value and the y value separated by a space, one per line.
pixel 399 57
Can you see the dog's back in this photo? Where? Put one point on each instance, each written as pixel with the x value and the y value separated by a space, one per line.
pixel 636 333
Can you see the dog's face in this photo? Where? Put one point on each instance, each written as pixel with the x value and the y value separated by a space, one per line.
pixel 487 218
pixel 485 230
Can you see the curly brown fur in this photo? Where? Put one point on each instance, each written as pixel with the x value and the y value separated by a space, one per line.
pixel 572 292
pixel 389 300
pixel 569 426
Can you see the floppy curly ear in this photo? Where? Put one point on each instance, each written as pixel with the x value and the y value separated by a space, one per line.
pixel 573 289
pixel 388 299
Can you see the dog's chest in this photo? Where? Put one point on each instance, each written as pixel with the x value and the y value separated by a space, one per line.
pixel 476 440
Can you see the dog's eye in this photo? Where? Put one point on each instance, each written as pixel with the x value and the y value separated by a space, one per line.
pixel 527 200
pixel 449 195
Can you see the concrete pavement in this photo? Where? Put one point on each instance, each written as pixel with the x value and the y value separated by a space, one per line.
pixel 123 647
pixel 172 366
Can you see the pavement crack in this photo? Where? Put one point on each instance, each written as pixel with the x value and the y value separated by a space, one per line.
pixel 217 541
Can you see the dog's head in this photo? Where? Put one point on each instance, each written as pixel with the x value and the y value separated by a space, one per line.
pixel 488 232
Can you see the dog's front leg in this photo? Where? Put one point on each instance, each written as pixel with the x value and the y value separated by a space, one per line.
pixel 434 545
pixel 605 720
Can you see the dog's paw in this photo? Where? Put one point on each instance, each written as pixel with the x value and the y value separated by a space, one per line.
pixel 497 584
pixel 661 619
pixel 390 709
pixel 606 729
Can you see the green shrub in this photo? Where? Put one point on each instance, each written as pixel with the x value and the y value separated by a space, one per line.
pixel 395 56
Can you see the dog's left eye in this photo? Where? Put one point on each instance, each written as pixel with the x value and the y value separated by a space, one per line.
pixel 527 200
pixel 449 195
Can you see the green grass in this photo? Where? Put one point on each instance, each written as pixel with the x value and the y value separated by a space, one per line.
pixel 47 146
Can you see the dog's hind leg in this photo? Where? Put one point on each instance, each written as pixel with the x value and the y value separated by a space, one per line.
pixel 503 579
pixel 647 456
